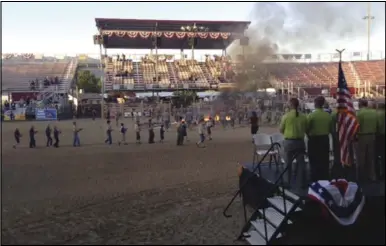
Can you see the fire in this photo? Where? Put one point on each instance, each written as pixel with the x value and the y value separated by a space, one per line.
pixel 217 118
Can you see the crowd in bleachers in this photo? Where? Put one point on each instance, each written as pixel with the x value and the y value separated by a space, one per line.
pixel 32 76
pixel 38 84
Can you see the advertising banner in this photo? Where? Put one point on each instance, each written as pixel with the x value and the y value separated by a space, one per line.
pixel 17 114
pixel 46 114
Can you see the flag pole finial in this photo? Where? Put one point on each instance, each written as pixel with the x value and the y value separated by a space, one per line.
pixel 340 53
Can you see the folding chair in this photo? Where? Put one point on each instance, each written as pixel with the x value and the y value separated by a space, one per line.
pixel 296 169
pixel 262 144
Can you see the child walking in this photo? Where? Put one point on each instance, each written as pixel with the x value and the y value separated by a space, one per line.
pixel 137 129
pixel 123 135
pixel 109 139
pixel 162 133
pixel 209 128
pixel 201 133
pixel 151 132
pixel 17 137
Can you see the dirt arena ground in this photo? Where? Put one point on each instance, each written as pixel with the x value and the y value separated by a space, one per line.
pixel 98 194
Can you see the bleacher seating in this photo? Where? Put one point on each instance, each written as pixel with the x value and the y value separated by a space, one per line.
pixel 17 76
pixel 205 74
pixel 372 71
pixel 316 74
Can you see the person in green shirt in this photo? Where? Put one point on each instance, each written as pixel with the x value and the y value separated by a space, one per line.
pixel 380 140
pixel 293 126
pixel 319 124
pixel 367 118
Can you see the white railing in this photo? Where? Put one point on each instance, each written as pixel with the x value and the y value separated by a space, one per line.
pixel 355 73
pixel 201 56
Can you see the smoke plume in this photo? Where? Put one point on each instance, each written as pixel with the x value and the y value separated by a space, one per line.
pixel 301 27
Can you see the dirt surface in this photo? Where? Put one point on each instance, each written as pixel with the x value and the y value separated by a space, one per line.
pixel 131 194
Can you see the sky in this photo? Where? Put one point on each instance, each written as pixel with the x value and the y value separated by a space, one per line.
pixel 68 27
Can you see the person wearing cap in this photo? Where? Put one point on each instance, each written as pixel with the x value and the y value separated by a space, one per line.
pixel 319 124
pixel 367 119
pixel 380 140
pixel 293 126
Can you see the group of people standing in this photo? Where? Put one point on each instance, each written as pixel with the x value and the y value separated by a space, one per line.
pixel 367 147
pixel 32 140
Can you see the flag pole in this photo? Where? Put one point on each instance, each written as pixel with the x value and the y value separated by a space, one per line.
pixel 337 155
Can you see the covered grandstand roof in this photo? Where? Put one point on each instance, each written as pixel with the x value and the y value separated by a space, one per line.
pixel 136 34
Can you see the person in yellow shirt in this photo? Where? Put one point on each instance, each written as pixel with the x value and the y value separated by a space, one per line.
pixel 319 126
pixel 293 126
pixel 367 118
pixel 380 140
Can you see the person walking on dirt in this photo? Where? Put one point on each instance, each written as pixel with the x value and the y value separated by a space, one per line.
pixel 201 133
pixel 48 135
pixel 151 132
pixel 56 137
pixel 17 136
pixel 137 128
pixel 254 121
pixel 93 114
pixel 32 133
pixel 117 117
pixel 162 133
pixel 180 133
pixel 223 118
pixel 76 139
pixel 123 135
pixel 166 119
pixel 109 130
pixel 209 126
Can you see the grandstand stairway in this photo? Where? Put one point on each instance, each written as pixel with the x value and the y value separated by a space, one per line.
pixel 355 75
pixel 206 72
pixel 172 74
pixel 109 76
pixel 65 82
pixel 138 76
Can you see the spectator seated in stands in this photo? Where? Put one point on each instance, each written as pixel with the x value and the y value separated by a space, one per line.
pixel 46 82
pixel 32 85
pixel 56 80
pixel 6 105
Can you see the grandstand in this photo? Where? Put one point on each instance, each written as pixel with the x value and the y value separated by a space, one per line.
pixel 308 74
pixel 215 72
pixel 19 70
pixel 165 72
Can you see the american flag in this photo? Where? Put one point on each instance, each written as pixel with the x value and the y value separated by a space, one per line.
pixel 347 123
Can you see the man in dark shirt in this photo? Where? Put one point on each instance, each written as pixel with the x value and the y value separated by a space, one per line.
pixel 93 114
pixel 32 141
pixel 17 137
pixel 56 137
pixel 254 120
pixel 151 132
pixel 48 135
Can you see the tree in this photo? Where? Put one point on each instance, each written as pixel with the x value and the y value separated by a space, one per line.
pixel 88 82
pixel 184 97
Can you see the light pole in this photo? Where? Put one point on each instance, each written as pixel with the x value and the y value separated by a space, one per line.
pixel 194 28
pixel 155 45
pixel 368 17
